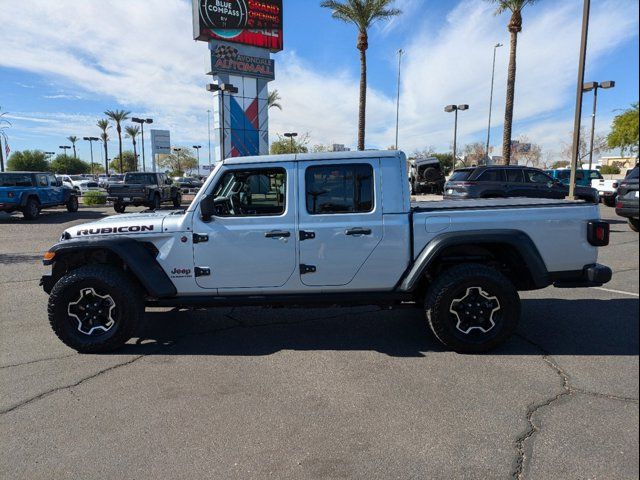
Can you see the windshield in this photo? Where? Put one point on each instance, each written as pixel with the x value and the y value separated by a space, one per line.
pixel 633 173
pixel 460 175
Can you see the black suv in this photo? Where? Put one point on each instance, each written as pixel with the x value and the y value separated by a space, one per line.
pixel 144 188
pixel 510 181
pixel 628 203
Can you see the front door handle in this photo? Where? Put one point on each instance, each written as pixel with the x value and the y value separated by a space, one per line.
pixel 358 231
pixel 277 234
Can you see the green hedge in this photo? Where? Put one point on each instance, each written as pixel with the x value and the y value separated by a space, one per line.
pixel 609 170
pixel 94 198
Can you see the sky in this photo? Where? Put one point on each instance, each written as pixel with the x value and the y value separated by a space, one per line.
pixel 63 63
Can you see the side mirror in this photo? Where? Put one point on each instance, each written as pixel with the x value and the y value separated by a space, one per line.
pixel 207 207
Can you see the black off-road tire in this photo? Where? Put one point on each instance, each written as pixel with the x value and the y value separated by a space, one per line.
pixel 105 280
pixel 633 224
pixel 31 209
pixel 610 201
pixel 459 282
pixel 177 200
pixel 72 204
pixel 119 207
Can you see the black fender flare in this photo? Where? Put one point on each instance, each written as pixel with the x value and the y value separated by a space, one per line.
pixel 134 254
pixel 517 239
pixel 27 195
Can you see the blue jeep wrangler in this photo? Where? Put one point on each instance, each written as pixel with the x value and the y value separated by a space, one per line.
pixel 30 192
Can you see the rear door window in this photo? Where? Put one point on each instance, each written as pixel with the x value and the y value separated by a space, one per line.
pixel 339 189
pixel 534 176
pixel 492 175
pixel 42 180
pixel 514 175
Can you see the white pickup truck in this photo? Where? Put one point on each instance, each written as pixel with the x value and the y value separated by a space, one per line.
pixel 607 189
pixel 333 229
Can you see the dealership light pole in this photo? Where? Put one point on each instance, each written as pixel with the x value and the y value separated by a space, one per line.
pixel 575 150
pixel 493 76
pixel 230 89
pixel 141 122
pixel 198 147
pixel 177 152
pixel 400 53
pixel 91 140
pixel 291 136
pixel 454 109
pixel 587 88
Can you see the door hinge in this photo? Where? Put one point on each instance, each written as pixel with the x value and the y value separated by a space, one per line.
pixel 202 271
pixel 307 235
pixel 197 238
pixel 307 269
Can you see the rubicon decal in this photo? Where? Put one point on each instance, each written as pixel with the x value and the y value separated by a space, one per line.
pixel 111 230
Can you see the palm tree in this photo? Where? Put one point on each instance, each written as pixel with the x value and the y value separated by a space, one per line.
pixel 132 131
pixel 118 116
pixel 362 13
pixel 514 27
pixel 73 139
pixel 273 100
pixel 103 125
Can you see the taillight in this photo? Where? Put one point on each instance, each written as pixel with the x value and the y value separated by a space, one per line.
pixel 598 233
pixel 619 205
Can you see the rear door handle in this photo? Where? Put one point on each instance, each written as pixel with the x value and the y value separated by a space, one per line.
pixel 358 231
pixel 277 234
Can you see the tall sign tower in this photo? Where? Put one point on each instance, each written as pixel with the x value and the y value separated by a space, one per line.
pixel 241 35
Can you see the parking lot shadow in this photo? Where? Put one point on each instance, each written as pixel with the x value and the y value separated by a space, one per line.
pixel 53 217
pixel 557 327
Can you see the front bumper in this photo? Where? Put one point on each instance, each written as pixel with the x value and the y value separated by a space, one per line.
pixel 593 275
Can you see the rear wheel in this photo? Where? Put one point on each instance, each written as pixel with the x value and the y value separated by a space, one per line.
pixel 119 207
pixel 177 201
pixel 156 203
pixel 633 224
pixel 472 308
pixel 610 201
pixel 31 209
pixel 72 204
pixel 95 309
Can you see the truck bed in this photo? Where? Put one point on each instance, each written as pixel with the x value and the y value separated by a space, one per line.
pixel 491 203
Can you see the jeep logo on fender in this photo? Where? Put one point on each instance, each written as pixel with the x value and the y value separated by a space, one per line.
pixel 108 230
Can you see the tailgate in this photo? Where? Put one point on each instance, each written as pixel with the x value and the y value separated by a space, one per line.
pixel 125 190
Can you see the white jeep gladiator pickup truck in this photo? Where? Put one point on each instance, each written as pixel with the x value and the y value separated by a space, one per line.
pixel 312 229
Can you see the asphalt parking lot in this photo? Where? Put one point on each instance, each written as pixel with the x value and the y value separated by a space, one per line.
pixel 319 393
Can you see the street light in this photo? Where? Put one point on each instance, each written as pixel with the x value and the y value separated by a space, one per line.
pixel 493 76
pixel 455 108
pixel 64 148
pixel 91 140
pixel 587 87
pixel 141 122
pixel 198 147
pixel 230 89
pixel 291 136
pixel 209 132
pixel 178 150
pixel 400 53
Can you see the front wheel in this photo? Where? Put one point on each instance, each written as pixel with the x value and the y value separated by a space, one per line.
pixel 472 308
pixel 633 224
pixel 95 309
pixel 72 204
pixel 177 201
pixel 119 207
pixel 156 203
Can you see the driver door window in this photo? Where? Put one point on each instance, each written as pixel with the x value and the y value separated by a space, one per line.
pixel 251 193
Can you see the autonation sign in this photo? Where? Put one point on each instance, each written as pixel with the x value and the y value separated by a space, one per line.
pixel 227 59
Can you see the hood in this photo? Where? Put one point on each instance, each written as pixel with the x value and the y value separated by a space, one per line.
pixel 126 224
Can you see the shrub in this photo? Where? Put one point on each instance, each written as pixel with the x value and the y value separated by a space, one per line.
pixel 94 198
pixel 609 170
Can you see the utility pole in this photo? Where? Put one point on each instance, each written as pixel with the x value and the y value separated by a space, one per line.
pixel 141 122
pixel 400 53
pixel 455 109
pixel 575 150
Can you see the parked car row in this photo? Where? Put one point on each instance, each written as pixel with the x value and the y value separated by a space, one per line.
pixel 628 199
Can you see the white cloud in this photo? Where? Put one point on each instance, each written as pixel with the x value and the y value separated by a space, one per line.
pixel 141 54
